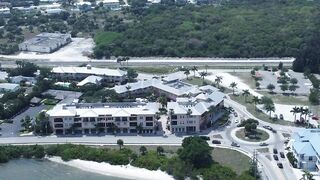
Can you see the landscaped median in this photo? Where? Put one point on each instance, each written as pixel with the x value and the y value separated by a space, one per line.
pixel 258 136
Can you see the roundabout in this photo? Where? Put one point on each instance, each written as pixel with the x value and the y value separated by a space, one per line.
pixel 238 135
pixel 257 136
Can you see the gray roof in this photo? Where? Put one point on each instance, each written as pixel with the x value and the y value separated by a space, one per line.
pixel 8 86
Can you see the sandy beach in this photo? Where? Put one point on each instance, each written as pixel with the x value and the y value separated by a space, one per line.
pixel 124 171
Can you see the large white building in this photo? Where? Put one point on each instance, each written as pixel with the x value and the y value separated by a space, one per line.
pixel 89 118
pixel 191 115
pixel 80 73
pixel 45 42
pixel 171 89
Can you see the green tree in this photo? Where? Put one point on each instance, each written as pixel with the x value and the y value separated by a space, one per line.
pixel 218 80
pixel 187 72
pixel 245 93
pixel 295 110
pixel 160 150
pixel 120 143
pixel 269 108
pixel 196 151
pixel 194 69
pixel 143 150
pixel 271 87
pixel 255 101
pixel 233 85
pixel 131 74
pixel 284 87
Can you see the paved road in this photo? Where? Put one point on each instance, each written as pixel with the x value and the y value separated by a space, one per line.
pixel 270 169
pixel 216 62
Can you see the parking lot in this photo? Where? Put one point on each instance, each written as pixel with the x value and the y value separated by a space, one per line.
pixel 11 130
pixel 271 78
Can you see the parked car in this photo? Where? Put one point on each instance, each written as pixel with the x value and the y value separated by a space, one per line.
pixel 282 155
pixel 235 144
pixel 205 138
pixel 275 151
pixel 235 114
pixel 275 157
pixel 216 142
pixel 281 116
pixel 236 121
pixel 286 141
pixel 263 144
pixel 267 127
pixel 315 118
pixel 280 165
pixel 274 131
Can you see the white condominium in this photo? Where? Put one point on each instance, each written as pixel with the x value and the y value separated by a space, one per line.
pixel 95 118
pixel 80 73
pixel 190 115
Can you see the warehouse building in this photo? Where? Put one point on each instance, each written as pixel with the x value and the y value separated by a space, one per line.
pixel 45 42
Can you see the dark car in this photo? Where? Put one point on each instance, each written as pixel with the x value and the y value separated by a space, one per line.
pixel 275 151
pixel 235 144
pixel 235 114
pixel 275 157
pixel 273 130
pixel 267 127
pixel 280 165
pixel 216 142
pixel 281 116
pixel 282 155
pixel 263 144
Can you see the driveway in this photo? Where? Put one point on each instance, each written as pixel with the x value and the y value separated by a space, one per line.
pixel 12 130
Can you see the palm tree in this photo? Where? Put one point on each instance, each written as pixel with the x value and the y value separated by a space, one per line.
pixel 269 107
pixel 127 59
pixel 255 100
pixel 120 143
pixel 307 175
pixel 119 60
pixel 245 93
pixel 203 74
pixel 163 101
pixel 160 150
pixel 143 150
pixel 301 111
pixel 128 90
pixel 233 85
pixel 187 72
pixel 218 80
pixel 295 110
pixel 194 69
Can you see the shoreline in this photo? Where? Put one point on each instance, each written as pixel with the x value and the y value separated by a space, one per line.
pixel 121 171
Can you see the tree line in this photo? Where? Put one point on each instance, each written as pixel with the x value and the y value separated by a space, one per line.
pixel 193 159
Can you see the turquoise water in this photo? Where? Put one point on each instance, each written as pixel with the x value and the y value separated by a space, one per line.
pixel 29 169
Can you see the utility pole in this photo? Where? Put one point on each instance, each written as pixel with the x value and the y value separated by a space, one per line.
pixel 254 165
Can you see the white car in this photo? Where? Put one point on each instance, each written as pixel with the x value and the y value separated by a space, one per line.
pixel 236 121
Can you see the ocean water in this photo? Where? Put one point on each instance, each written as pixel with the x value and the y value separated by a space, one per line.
pixel 30 169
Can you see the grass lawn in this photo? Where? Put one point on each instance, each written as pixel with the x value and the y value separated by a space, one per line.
pixel 231 158
pixel 287 99
pixel 196 81
pixel 155 70
pixel 50 101
pixel 246 78
pixel 260 115
pixel 261 135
